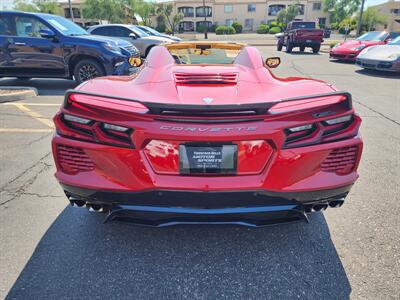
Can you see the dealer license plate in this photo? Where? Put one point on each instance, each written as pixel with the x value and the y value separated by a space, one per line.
pixel 207 159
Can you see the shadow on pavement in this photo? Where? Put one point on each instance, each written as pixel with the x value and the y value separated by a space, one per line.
pixel 80 258
pixel 376 73
pixel 45 86
pixel 304 53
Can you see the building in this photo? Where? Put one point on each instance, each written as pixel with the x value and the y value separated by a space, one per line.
pixel 250 13
pixel 391 10
pixel 79 18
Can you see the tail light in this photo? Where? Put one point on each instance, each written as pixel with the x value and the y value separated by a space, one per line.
pixel 323 131
pixel 93 131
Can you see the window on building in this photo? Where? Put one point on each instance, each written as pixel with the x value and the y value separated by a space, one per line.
pixel 395 11
pixel 67 13
pixel 228 22
pixel 203 11
pixel 322 22
pixel 251 7
pixel 228 8
pixel 186 11
pixel 301 9
pixel 248 24
pixel 316 6
pixel 186 26
pixel 273 10
pixel 76 12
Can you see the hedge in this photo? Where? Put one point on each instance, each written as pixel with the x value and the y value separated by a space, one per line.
pixel 275 30
pixel 263 28
pixel 225 30
pixel 238 27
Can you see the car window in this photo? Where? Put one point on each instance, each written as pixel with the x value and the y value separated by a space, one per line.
pixel 373 36
pixel 100 31
pixel 301 25
pixel 64 26
pixel 28 27
pixel 5 26
pixel 393 35
pixel 119 31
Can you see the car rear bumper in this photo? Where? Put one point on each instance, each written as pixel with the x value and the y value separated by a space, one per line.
pixel 170 207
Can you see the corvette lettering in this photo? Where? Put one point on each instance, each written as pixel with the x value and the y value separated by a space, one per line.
pixel 208 129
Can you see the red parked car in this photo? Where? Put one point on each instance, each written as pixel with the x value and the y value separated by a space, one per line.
pixel 349 50
pixel 205 133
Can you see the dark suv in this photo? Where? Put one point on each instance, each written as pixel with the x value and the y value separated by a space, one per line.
pixel 43 45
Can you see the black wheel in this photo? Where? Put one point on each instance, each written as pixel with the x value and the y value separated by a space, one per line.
pixel 302 49
pixel 279 46
pixel 289 47
pixel 316 49
pixel 148 50
pixel 87 69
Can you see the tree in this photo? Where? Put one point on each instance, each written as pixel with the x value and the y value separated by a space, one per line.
pixel 48 6
pixel 370 18
pixel 45 6
pixel 341 9
pixel 171 19
pixel 22 5
pixel 110 10
pixel 288 14
pixel 145 10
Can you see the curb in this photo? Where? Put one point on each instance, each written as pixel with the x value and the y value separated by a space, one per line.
pixel 26 92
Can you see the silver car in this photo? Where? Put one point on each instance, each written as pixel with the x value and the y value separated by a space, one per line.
pixel 153 32
pixel 381 57
pixel 140 39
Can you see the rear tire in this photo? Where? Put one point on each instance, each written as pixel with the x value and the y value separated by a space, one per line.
pixel 289 47
pixel 87 69
pixel 279 46
pixel 148 50
pixel 316 49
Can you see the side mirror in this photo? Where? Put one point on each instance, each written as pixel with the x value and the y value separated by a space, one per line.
pixel 279 35
pixel 135 62
pixel 132 36
pixel 273 62
pixel 47 33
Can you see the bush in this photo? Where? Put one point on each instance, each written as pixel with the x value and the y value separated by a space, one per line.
pixel 263 28
pixel 238 27
pixel 160 28
pixel 168 31
pixel 225 30
pixel 275 30
pixel 200 28
pixel 273 24
pixel 212 28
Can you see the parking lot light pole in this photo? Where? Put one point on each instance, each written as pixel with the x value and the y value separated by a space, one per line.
pixel 359 25
pixel 70 10
pixel 205 21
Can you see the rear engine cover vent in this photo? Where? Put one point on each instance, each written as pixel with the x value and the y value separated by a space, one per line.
pixel 341 160
pixel 220 78
pixel 73 160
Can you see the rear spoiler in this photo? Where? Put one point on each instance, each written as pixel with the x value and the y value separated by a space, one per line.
pixel 257 108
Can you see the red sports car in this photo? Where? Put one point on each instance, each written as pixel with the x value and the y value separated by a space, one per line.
pixel 205 133
pixel 348 51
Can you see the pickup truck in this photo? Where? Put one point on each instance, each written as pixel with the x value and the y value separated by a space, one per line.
pixel 301 34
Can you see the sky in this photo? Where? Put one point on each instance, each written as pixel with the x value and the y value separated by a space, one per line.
pixel 7 4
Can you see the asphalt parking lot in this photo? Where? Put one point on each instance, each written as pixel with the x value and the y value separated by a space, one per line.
pixel 50 250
